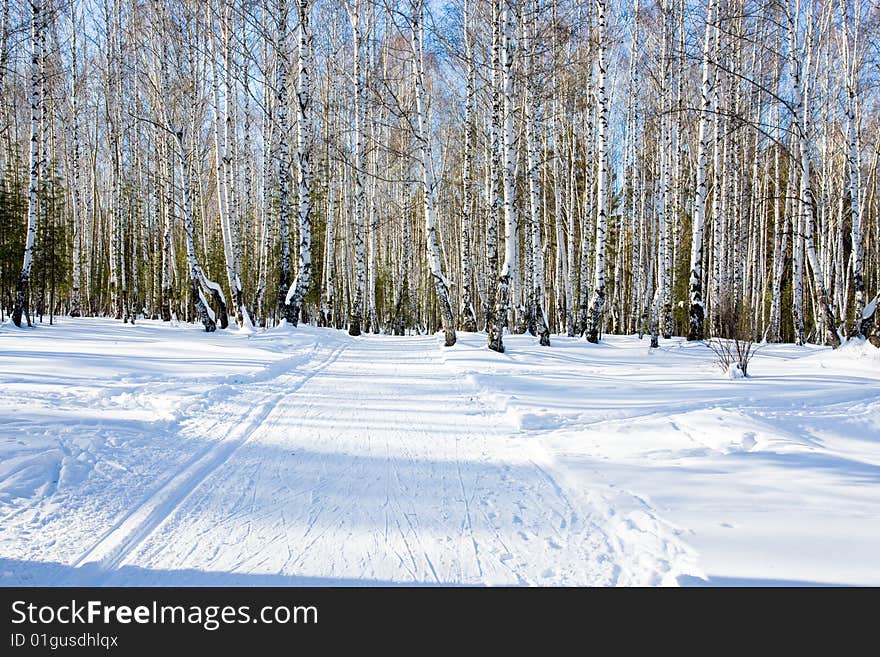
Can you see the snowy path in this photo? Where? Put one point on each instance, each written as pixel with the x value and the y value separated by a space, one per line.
pixel 159 455
pixel 369 469
pixel 223 420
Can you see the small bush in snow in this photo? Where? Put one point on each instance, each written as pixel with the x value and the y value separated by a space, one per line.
pixel 733 355
pixel 734 343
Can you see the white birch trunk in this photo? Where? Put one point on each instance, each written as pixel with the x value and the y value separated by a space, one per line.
pixel 502 294
pixel 536 293
pixel 697 309
pixel 300 286
pixel 467 316
pixel 801 132
pixel 20 306
pixel 283 162
pixel 423 138
pixel 75 194
pixel 222 163
pixel 850 47
pixel 598 301
pixel 356 318
pixel 493 166
pixel 196 276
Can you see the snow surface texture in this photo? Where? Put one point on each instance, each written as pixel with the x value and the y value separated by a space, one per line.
pixel 161 455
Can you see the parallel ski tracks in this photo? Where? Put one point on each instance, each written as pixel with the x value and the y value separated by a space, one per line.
pixel 114 546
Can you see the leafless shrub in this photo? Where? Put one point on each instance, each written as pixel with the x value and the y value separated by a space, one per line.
pixel 733 342
pixel 733 355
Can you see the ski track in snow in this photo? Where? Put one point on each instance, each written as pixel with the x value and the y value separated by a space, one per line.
pixel 111 550
pixel 382 478
pixel 304 456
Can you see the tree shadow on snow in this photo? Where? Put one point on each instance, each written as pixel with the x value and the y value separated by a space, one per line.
pixel 14 572
pixel 689 580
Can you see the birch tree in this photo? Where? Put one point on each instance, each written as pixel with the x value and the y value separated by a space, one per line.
pixel 285 311
pixel 536 284
pixel 801 114
pixel 697 309
pixel 75 164
pixel 423 138
pixel 467 315
pixel 356 18
pixel 502 295
pixel 39 25
pixel 300 286
pixel 224 131
pixel 598 301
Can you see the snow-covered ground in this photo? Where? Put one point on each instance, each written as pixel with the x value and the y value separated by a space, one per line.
pixel 160 455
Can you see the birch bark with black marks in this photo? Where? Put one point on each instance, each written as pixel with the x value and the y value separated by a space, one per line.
pixel 22 290
pixel 423 139
pixel 356 315
pixel 493 166
pixel 4 42
pixel 850 46
pixel 598 301
pixel 664 282
pixel 297 291
pixel 801 120
pixel 555 139
pixel 283 160
pixel 586 214
pixel 697 313
pixel 467 316
pixel 222 130
pixel 75 165
pixel 502 293
pixel 538 316
pixel 631 179
pixel 222 156
pixel 196 277
pixel 328 315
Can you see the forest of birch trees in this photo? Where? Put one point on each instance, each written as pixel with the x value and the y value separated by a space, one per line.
pixel 696 168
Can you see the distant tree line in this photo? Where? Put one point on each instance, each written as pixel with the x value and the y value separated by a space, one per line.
pixel 661 167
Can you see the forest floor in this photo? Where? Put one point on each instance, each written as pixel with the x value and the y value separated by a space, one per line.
pixel 160 455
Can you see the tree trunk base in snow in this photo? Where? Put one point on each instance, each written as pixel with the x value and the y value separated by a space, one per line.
pixel 74 304
pixel 594 316
pixel 468 319
pixel 696 331
pixel 496 344
pixel 582 319
pixel 202 310
pixel 19 309
pixel 166 308
pixel 872 328
pixel 222 311
pixel 831 337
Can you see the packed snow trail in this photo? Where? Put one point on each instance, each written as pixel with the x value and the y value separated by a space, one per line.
pixel 158 454
pixel 112 549
pixel 371 470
